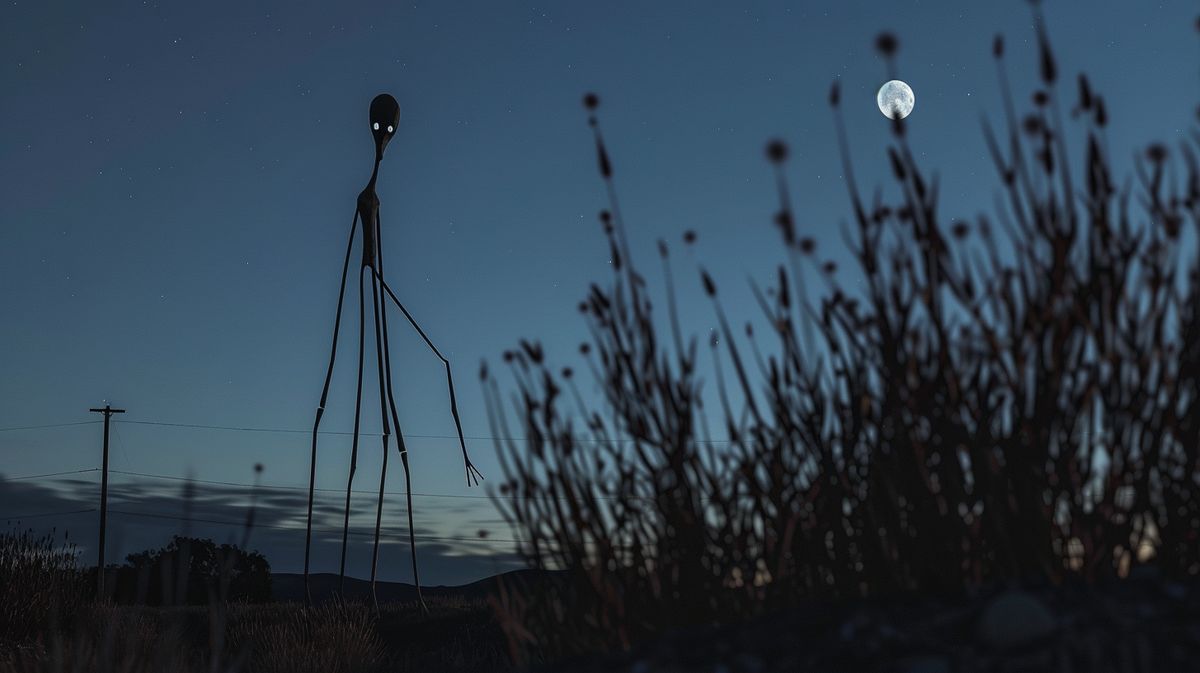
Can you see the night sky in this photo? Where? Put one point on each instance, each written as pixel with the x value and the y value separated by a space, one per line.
pixel 178 181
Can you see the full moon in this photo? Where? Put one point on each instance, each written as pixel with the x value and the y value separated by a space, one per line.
pixel 895 99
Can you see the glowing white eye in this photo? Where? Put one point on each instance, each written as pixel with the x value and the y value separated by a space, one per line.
pixel 375 126
pixel 390 129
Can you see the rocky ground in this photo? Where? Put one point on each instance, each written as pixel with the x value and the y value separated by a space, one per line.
pixel 1145 623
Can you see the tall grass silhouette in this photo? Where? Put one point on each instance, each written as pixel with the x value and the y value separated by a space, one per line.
pixel 40 586
pixel 1015 396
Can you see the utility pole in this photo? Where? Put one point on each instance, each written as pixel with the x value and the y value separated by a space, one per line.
pixel 108 411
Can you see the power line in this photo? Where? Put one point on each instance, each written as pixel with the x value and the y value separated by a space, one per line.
pixel 50 474
pixel 292 488
pixel 359 491
pixel 293 431
pixel 234 428
pixel 43 514
pixel 300 488
pixel 48 425
pixel 200 426
pixel 407 435
pixel 297 431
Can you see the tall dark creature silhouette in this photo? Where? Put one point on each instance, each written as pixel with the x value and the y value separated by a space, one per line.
pixel 384 120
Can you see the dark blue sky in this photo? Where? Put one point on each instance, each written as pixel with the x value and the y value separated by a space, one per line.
pixel 178 181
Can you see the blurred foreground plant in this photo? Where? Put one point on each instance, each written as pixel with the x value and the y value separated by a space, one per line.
pixel 979 407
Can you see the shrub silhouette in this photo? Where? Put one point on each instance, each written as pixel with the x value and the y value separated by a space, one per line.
pixel 1016 396
pixel 194 571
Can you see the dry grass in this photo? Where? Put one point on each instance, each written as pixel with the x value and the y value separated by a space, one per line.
pixel 1016 396
pixel 119 638
pixel 331 638
pixel 40 585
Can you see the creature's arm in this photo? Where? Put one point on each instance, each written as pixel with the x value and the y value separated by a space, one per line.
pixel 473 475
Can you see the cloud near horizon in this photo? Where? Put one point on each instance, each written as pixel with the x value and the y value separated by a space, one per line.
pixel 145 514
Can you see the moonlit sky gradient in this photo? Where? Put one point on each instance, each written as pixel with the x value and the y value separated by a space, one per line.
pixel 177 182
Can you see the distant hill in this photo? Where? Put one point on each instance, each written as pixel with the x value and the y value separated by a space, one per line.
pixel 290 587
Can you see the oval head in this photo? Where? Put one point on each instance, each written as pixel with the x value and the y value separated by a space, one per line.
pixel 385 119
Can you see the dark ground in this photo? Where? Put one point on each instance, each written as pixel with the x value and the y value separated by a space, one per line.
pixel 1143 624
pixel 1146 623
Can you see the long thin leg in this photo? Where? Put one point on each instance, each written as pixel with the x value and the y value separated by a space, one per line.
pixel 312 468
pixel 403 449
pixel 354 442
pixel 380 366
pixel 387 359
pixel 473 475
pixel 412 535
